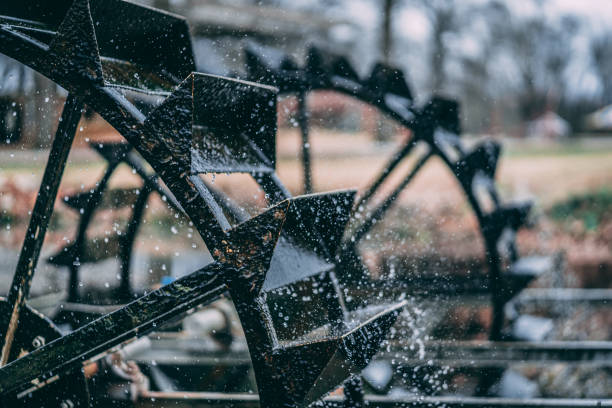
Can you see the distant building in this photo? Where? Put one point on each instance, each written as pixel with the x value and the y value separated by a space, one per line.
pixel 600 120
pixel 548 126
pixel 219 28
pixel 30 104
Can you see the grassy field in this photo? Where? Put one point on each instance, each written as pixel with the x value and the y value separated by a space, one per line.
pixel 569 183
pixel 548 173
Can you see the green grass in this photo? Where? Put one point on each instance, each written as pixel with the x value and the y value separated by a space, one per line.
pixel 592 208
pixel 569 149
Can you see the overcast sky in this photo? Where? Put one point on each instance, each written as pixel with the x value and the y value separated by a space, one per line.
pixel 596 10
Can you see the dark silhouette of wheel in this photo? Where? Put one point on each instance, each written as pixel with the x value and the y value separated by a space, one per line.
pixel 134 66
pixel 435 126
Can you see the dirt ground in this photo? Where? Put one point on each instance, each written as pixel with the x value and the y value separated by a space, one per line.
pixel 432 205
pixel 432 221
pixel 544 171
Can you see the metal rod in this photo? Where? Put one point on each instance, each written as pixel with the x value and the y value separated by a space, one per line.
pixel 136 319
pixel 127 241
pixel 498 301
pixel 137 164
pixel 273 187
pixel 302 118
pixel 231 208
pixel 39 221
pixel 380 211
pixel 397 157
pixel 79 243
pixel 501 354
pixel 194 352
pixel 563 297
pixel 207 399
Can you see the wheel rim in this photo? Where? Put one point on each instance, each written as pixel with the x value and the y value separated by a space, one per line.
pixel 68 47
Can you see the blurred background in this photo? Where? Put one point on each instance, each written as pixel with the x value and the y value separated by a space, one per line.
pixel 533 74
pixel 536 68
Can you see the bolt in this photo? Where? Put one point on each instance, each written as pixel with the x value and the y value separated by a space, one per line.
pixel 38 341
pixel 67 404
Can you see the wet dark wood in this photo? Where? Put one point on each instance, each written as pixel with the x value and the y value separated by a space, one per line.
pixel 386 88
pixel 133 320
pixel 76 53
pixel 39 221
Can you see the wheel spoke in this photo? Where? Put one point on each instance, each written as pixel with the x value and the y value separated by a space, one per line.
pixel 39 221
pixel 79 243
pixel 378 213
pixel 272 186
pixel 388 169
pixel 304 130
pixel 137 318
pixel 127 241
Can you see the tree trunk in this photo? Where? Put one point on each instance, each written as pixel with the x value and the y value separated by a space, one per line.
pixel 387 31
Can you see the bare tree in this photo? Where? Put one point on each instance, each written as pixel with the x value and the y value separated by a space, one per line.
pixel 387 33
pixel 443 16
pixel 601 54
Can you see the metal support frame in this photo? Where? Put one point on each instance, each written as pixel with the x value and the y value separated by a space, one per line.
pixel 197 400
pixel 39 221
pixel 107 54
pixel 184 124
